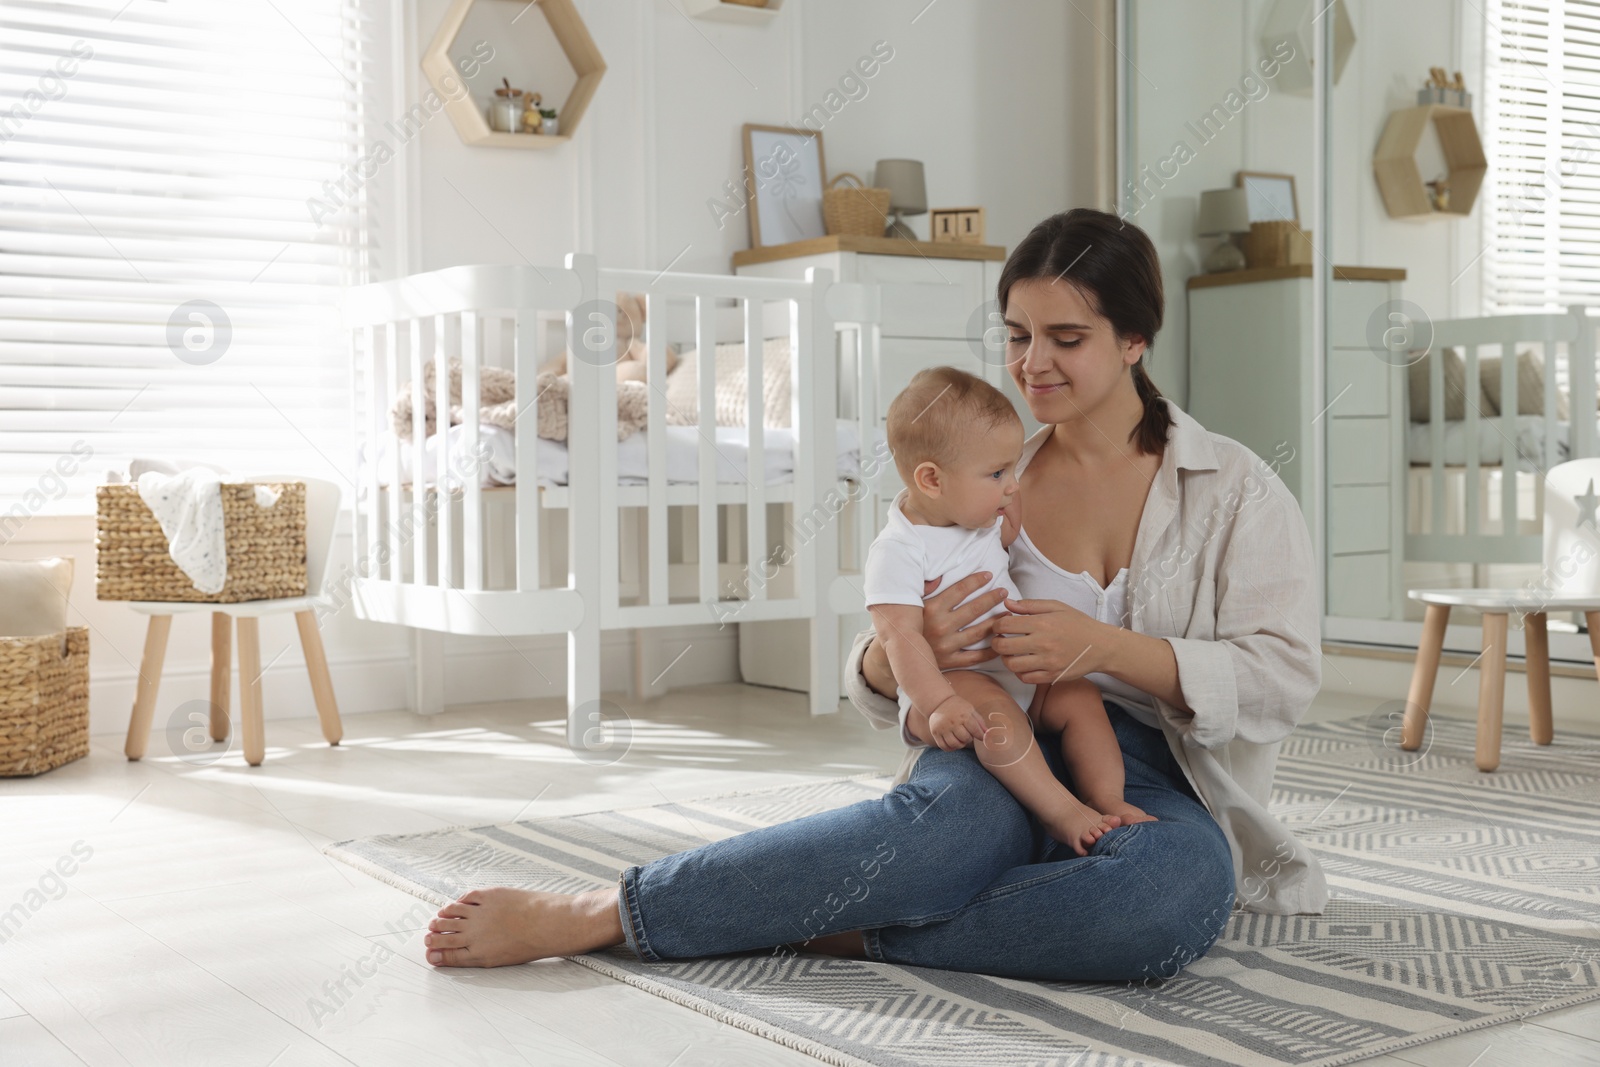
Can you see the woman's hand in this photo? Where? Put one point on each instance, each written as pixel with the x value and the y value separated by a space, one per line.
pixel 948 627
pixel 1045 641
pixel 942 627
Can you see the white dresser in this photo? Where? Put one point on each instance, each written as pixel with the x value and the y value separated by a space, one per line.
pixel 931 295
pixel 1250 379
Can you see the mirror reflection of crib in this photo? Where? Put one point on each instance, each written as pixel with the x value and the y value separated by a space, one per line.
pixel 1501 474
pixel 1437 449
pixel 1493 395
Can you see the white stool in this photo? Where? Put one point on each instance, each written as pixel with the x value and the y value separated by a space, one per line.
pixel 1496 605
pixel 322 509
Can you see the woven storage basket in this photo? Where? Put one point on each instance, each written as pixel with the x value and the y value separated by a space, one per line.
pixel 1266 245
pixel 44 702
pixel 1276 243
pixel 266 547
pixel 857 210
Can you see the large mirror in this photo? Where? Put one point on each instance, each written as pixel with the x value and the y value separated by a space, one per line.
pixel 1453 194
pixel 1217 166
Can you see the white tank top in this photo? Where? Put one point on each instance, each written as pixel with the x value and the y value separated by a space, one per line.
pixel 1039 579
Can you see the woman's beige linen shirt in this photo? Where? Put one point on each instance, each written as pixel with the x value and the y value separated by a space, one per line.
pixel 1223 570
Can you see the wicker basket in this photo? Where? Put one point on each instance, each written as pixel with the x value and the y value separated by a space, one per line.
pixel 266 547
pixel 1276 243
pixel 44 702
pixel 857 210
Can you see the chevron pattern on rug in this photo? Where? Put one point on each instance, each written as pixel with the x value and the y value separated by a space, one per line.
pixel 1461 900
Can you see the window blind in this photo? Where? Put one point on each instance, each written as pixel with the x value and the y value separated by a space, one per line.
pixel 183 194
pixel 1542 128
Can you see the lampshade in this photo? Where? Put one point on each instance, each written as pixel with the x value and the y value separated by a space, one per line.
pixel 1223 212
pixel 908 193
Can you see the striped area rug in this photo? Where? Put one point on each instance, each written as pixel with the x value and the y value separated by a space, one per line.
pixel 1461 900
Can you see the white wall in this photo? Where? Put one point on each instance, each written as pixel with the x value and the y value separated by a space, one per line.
pixel 1191 53
pixel 1400 42
pixel 981 93
pixel 997 100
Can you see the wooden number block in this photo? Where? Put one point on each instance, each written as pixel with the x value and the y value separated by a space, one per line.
pixel 956 225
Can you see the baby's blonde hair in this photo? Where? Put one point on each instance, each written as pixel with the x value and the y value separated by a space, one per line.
pixel 930 418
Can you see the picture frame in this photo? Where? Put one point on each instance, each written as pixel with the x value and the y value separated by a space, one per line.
pixel 784 174
pixel 1271 196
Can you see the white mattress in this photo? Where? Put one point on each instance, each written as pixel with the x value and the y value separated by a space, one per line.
pixel 1529 442
pixel 682 454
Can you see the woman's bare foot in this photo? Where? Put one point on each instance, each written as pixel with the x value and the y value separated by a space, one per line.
pixel 499 927
pixel 1079 826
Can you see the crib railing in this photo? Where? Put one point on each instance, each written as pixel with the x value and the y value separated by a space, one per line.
pixel 813 403
pixel 424 565
pixel 406 537
pixel 1567 341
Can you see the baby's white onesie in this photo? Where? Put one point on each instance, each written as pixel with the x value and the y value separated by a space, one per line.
pixel 905 555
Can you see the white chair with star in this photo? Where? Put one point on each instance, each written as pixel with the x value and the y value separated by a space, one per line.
pixel 1570 581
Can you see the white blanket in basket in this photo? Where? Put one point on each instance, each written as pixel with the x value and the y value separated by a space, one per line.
pixel 188 505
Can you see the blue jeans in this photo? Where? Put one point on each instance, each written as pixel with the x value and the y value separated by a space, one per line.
pixel 949 871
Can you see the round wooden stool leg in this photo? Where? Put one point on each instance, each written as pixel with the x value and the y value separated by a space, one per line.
pixel 1422 676
pixel 255 737
pixel 321 682
pixel 221 671
pixel 1536 637
pixel 1491 689
pixel 1593 619
pixel 147 685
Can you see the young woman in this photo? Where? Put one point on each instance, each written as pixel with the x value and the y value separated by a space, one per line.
pixel 1165 563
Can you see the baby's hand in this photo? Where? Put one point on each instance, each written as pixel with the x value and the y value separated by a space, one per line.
pixel 955 724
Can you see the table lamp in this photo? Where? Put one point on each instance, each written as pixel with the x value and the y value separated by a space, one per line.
pixel 908 193
pixel 1224 213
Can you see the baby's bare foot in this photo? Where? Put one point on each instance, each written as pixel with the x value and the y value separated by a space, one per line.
pixel 1129 813
pixel 1080 827
pixel 498 927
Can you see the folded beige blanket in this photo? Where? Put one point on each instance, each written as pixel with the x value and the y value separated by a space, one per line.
pixel 733 387
pixel 497 392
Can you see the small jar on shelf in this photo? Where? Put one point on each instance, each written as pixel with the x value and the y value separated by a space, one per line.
pixel 505 110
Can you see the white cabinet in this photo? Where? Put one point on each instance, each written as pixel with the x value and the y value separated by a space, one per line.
pixel 1250 379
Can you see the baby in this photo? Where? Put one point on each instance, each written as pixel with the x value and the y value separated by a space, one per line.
pixel 956 442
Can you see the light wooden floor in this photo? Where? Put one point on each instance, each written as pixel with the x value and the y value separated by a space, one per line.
pixel 205 926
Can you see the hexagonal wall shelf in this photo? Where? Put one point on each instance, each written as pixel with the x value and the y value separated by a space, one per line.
pixel 1290 22
pixel 1405 195
pixel 470 122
